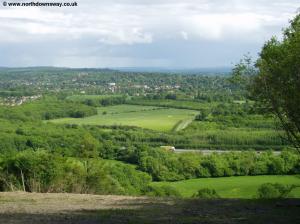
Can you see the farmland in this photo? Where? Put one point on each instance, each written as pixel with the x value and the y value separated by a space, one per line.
pixel 225 126
pixel 232 187
pixel 155 118
pixel 94 139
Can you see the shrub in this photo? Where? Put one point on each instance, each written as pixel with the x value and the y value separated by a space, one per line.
pixel 162 191
pixel 42 171
pixel 206 193
pixel 270 190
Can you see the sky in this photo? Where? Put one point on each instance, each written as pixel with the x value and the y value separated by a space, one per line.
pixel 140 33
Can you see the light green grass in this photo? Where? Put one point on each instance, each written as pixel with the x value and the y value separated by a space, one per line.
pixel 125 109
pixel 182 124
pixel 232 187
pixel 160 119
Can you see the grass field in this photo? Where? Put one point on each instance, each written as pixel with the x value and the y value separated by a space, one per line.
pixel 155 118
pixel 232 187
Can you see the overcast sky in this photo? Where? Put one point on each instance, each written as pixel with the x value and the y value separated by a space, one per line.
pixel 140 33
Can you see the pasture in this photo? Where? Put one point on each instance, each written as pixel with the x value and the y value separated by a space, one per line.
pixel 244 187
pixel 155 118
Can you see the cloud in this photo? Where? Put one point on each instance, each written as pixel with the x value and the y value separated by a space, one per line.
pixel 37 23
pixel 184 35
pixel 223 25
pixel 131 36
pixel 128 30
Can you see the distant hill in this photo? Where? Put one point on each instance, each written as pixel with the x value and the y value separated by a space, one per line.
pixel 192 71
pixel 204 71
pixel 49 68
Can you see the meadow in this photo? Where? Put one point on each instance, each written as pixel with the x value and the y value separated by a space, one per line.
pixel 149 117
pixel 244 187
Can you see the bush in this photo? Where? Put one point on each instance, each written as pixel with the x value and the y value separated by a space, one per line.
pixel 43 171
pixel 162 191
pixel 206 193
pixel 270 190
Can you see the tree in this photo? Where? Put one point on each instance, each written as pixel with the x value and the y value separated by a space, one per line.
pixel 243 72
pixel 274 80
pixel 277 84
pixel 202 115
pixel 89 147
pixel 270 190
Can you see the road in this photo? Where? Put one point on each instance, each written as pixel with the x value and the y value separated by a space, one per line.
pixel 209 152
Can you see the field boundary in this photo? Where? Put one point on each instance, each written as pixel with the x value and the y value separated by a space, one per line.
pixel 182 124
pixel 158 105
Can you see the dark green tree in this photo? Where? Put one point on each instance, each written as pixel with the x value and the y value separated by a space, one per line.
pixel 277 84
pixel 274 80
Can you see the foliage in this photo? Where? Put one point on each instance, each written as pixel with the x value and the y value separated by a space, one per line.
pixel 162 191
pixel 232 187
pixel 277 84
pixel 41 171
pixel 166 166
pixel 98 100
pixel 46 109
pixel 243 72
pixel 155 118
pixel 274 190
pixel 96 145
pixel 206 193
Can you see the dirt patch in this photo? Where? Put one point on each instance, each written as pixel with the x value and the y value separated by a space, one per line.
pixel 25 208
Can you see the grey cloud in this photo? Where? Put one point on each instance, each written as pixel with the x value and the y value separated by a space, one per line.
pixel 140 33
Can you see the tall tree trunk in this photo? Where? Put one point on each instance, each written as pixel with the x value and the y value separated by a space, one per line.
pixel 23 182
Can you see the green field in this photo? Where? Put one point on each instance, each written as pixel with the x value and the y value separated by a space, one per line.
pixel 232 187
pixel 155 118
